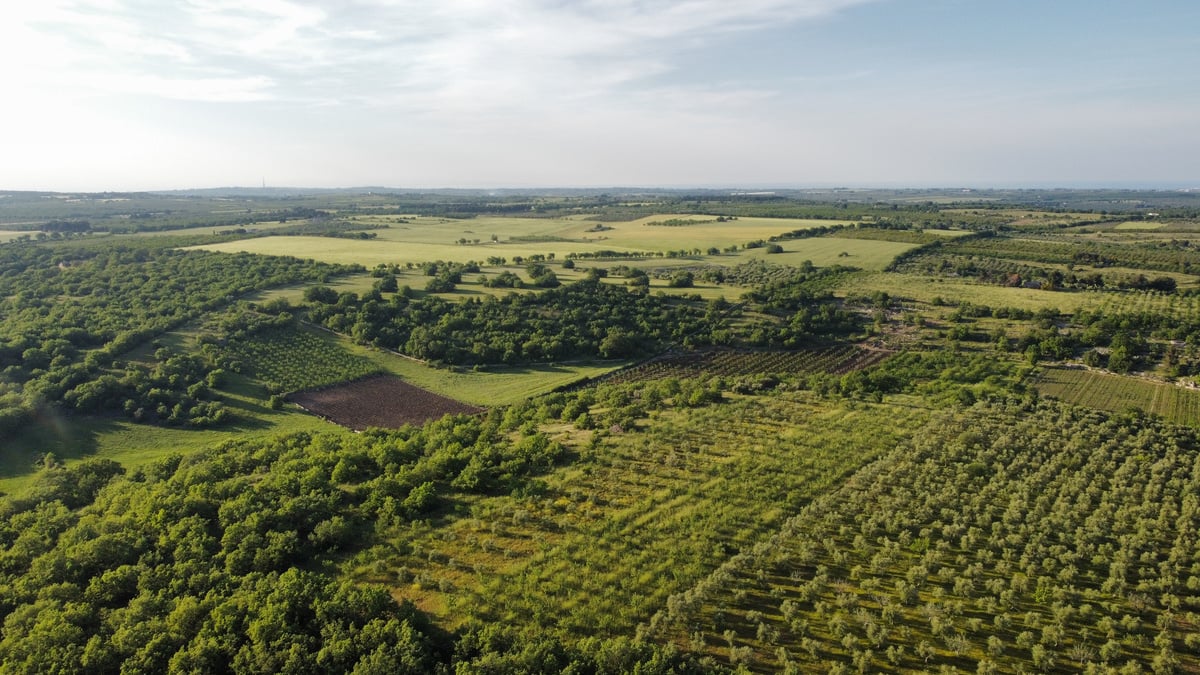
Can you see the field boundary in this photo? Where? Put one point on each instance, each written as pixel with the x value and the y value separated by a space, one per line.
pixel 382 400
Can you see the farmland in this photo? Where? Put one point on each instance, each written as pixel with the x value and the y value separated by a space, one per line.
pixel 860 432
pixel 1121 393
pixel 848 580
pixel 424 240
pixel 292 359
pixel 381 401
pixel 521 559
pixel 726 363
pixel 493 386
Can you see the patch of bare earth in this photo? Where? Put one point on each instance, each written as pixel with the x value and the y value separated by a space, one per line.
pixel 383 401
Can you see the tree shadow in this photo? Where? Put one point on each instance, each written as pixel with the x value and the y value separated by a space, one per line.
pixel 50 431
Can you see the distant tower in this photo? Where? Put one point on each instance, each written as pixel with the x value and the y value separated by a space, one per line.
pixel 264 182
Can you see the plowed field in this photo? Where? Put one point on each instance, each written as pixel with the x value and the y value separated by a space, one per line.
pixel 383 401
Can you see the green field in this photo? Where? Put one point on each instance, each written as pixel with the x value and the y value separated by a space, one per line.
pixel 381 252
pixel 864 253
pixel 1120 393
pixel 946 233
pixel 639 234
pixel 867 254
pixel 497 385
pixel 635 234
pixel 954 291
pixel 72 437
pixel 1140 225
pixel 429 239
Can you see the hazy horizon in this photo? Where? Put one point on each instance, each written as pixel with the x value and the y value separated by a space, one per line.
pixel 128 95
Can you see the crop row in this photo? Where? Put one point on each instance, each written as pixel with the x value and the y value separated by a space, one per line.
pixel 1162 256
pixel 837 360
pixel 293 359
pixel 1011 538
pixel 598 550
pixel 1119 393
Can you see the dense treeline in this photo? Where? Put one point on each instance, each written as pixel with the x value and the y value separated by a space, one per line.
pixel 68 313
pixel 224 561
pixel 589 318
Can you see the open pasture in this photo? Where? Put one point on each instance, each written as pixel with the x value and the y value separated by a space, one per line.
pixel 708 232
pixel 1119 393
pixel 455 240
pixel 481 230
pixel 867 254
pixel 370 253
pixel 949 234
pixel 71 438
pixel 821 251
pixel 1140 225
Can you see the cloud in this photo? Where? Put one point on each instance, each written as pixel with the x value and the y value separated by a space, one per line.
pixel 446 56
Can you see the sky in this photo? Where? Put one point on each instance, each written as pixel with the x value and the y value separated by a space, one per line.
pixel 124 95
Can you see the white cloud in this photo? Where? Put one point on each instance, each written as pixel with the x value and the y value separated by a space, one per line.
pixel 454 54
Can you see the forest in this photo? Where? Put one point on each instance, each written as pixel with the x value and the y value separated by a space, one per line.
pixel 704 431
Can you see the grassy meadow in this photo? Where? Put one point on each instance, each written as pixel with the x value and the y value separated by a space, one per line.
pixel 493 386
pixel 867 254
pixel 453 240
pixel 71 438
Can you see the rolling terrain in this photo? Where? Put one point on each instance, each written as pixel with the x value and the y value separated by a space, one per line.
pixel 858 432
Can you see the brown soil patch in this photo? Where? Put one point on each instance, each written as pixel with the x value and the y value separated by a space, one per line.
pixel 382 401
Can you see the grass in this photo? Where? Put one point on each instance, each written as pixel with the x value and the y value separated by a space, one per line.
pixel 957 291
pixel 953 291
pixel 207 230
pixel 1140 225
pixel 370 253
pixel 428 239
pixel 947 233
pixel 357 283
pixel 1119 393
pixel 868 254
pixel 431 230
pixel 1025 217
pixel 637 234
pixel 72 438
pixel 495 386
